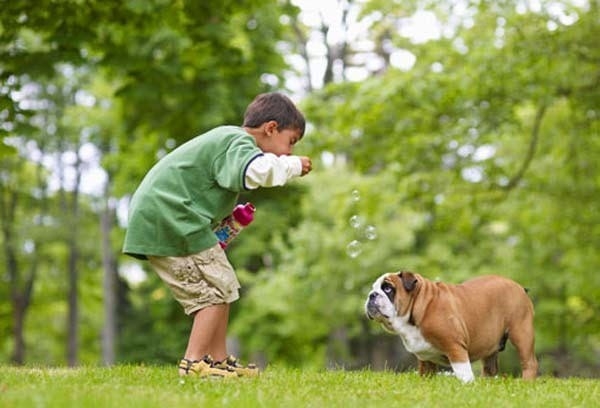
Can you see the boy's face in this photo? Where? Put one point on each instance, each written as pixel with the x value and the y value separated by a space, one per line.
pixel 279 142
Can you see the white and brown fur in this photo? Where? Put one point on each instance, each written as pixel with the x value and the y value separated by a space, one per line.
pixel 453 325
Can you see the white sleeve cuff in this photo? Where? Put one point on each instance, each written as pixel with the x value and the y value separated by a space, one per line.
pixel 295 165
pixel 270 170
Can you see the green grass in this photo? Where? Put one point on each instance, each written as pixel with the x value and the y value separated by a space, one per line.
pixel 153 386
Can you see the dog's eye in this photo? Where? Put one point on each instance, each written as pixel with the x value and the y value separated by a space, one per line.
pixel 389 290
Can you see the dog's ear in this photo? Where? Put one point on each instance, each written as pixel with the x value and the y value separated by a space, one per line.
pixel 409 280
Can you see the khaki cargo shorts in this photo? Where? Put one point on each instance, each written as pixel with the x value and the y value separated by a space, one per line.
pixel 199 280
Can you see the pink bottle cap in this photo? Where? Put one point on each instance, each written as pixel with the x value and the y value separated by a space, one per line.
pixel 244 214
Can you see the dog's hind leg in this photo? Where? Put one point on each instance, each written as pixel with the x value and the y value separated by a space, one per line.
pixel 523 340
pixel 490 365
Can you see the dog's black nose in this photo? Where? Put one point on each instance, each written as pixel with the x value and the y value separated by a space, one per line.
pixel 372 295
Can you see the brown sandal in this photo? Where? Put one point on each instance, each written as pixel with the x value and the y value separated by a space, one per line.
pixel 231 363
pixel 204 368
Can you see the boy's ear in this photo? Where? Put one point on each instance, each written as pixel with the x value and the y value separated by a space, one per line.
pixel 270 126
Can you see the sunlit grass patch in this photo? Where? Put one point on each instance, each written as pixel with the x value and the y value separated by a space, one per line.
pixel 160 386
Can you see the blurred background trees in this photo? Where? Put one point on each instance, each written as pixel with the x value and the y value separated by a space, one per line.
pixel 450 138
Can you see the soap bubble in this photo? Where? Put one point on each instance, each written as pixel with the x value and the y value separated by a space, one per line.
pixel 355 195
pixel 370 232
pixel 356 221
pixel 354 248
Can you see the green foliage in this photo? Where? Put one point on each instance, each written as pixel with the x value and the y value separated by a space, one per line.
pixel 159 386
pixel 153 325
pixel 192 66
pixel 178 68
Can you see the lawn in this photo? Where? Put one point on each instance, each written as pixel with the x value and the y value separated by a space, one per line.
pixel 160 386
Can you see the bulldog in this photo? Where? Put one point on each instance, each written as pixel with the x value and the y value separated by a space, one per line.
pixel 453 325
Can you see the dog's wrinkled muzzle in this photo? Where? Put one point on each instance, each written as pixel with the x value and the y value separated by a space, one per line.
pixel 371 308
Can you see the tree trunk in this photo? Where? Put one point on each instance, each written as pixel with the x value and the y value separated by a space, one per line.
pixel 20 287
pixel 109 283
pixel 18 355
pixel 8 205
pixel 73 317
pixel 72 212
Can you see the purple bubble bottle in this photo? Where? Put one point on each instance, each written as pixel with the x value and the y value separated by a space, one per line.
pixel 230 226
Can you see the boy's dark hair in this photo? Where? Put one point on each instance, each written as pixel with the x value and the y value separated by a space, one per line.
pixel 274 106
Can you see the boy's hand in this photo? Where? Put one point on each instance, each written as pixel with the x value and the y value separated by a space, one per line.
pixel 306 165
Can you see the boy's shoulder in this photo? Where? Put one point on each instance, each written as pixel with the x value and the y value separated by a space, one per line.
pixel 213 143
pixel 226 136
pixel 224 131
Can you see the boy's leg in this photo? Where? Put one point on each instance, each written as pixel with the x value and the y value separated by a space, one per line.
pixel 208 334
pixel 204 284
pixel 218 345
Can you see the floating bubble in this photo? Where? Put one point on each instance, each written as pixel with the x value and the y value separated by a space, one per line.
pixel 355 196
pixel 356 221
pixel 354 248
pixel 370 232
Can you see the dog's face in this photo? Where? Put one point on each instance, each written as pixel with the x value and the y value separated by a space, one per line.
pixel 390 298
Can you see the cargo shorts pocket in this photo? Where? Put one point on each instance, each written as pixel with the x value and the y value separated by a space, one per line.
pixel 217 271
pixel 188 275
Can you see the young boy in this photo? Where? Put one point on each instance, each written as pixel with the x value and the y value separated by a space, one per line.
pixel 191 189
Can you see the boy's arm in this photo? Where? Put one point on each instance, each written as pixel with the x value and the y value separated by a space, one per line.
pixel 270 170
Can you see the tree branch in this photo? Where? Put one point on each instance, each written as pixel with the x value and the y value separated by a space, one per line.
pixel 532 148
